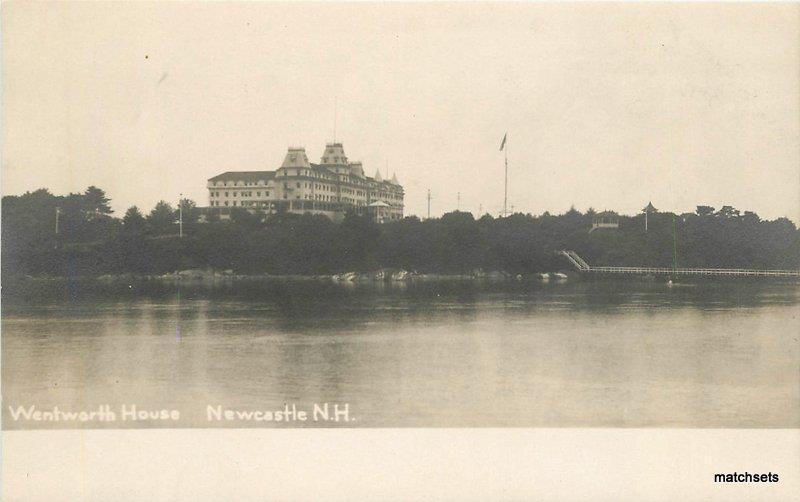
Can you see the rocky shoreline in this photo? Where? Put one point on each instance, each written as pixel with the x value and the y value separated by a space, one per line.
pixel 221 276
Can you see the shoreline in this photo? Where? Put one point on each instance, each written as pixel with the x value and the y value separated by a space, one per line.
pixel 195 276
pixel 212 278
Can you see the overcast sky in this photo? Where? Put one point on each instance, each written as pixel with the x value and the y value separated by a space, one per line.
pixel 606 106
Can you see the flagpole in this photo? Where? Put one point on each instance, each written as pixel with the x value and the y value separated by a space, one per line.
pixel 505 189
pixel 180 216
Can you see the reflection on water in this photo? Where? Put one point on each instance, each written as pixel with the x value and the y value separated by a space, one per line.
pixel 439 354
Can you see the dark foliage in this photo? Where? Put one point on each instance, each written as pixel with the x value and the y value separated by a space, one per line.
pixel 90 241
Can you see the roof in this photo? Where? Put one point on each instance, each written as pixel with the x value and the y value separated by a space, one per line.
pixel 248 176
pixel 379 203
pixel 334 155
pixel 356 169
pixel 320 167
pixel 295 157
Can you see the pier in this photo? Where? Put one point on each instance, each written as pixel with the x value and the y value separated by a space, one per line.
pixel 582 266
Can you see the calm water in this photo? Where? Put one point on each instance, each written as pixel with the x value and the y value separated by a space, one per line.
pixel 459 354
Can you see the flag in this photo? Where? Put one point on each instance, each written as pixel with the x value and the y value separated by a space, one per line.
pixel 503 143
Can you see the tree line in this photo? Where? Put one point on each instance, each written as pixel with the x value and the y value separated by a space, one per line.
pixel 78 235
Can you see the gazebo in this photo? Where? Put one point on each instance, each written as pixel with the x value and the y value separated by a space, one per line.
pixel 649 208
pixel 379 211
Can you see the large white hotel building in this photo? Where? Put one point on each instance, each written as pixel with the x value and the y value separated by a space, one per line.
pixel 332 187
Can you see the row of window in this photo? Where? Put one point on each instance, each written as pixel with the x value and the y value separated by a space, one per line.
pixel 244 203
pixel 239 183
pixel 243 194
pixel 298 172
pixel 315 174
pixel 311 173
pixel 305 172
pixel 216 203
pixel 329 188
pixel 316 197
pixel 315 186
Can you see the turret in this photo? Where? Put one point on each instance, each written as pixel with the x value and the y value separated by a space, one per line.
pixel 295 157
pixel 334 155
pixel 378 177
pixel 356 169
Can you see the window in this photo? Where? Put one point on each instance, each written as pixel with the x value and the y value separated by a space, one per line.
pixel 226 202
pixel 298 184
pixel 258 194
pixel 226 194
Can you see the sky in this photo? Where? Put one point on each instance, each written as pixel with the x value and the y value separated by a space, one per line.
pixel 606 106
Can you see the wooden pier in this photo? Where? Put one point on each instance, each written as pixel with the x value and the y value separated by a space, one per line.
pixel 582 266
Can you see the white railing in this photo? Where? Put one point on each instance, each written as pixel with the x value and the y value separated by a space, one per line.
pixel 581 265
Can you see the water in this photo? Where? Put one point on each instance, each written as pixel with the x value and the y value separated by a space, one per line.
pixel 431 355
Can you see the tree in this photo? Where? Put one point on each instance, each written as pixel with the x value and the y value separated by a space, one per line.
pixel 728 212
pixel 191 213
pixel 750 217
pixel 245 218
pixel 133 222
pixel 95 202
pixel 161 219
pixel 212 215
pixel 88 242
pixel 704 210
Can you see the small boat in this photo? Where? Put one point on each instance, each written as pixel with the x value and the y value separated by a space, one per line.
pixel 545 276
pixel 559 276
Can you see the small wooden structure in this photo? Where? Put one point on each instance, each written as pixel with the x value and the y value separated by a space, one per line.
pixel 603 222
pixel 583 266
